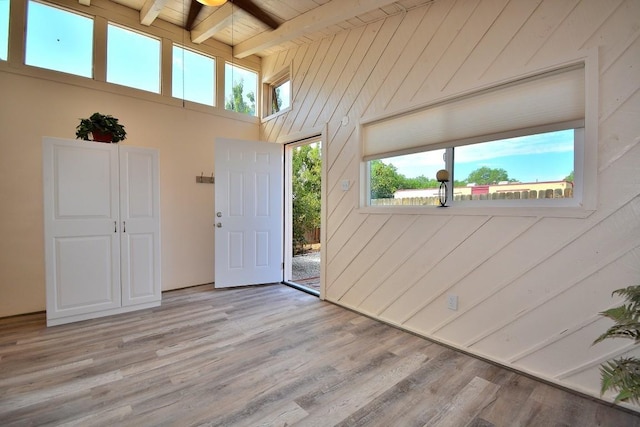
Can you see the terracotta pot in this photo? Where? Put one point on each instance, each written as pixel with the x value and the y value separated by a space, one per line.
pixel 101 137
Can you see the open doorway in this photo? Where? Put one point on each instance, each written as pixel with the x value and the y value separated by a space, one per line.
pixel 303 205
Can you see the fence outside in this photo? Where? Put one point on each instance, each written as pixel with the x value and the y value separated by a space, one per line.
pixel 550 193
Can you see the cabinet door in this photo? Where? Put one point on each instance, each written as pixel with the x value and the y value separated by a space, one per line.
pixel 140 219
pixel 81 227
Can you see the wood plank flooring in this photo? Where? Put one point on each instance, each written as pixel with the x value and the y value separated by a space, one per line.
pixel 268 355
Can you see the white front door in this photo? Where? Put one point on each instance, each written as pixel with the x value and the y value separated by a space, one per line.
pixel 248 206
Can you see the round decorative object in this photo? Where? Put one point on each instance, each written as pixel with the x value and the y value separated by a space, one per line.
pixel 442 175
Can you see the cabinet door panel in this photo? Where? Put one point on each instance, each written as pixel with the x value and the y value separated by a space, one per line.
pixel 140 216
pixel 81 230
pixel 83 274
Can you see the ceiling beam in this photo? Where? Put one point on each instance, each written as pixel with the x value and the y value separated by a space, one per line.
pixel 194 9
pixel 150 11
pixel 218 20
pixel 321 17
pixel 253 10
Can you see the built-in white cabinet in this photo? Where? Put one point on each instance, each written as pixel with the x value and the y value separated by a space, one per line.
pixel 101 229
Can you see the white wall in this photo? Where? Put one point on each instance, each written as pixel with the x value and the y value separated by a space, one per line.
pixel 32 107
pixel 530 288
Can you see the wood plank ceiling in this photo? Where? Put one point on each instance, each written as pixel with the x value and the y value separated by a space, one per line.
pixel 300 21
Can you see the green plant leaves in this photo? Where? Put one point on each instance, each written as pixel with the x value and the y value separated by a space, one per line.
pixel 103 123
pixel 623 374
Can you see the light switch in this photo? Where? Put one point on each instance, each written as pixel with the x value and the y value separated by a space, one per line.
pixel 345 185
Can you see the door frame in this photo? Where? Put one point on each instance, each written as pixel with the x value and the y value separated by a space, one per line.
pixel 320 133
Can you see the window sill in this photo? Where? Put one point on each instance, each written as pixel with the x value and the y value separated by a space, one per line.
pixel 275 115
pixel 517 211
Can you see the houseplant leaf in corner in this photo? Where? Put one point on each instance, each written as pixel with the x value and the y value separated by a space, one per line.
pixel 101 127
pixel 623 374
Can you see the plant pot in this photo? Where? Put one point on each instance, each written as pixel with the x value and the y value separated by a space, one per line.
pixel 101 137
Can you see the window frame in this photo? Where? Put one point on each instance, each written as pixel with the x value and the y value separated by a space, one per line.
pixel 6 47
pixel 268 86
pixel 140 33
pixel 215 72
pixel 69 11
pixel 258 94
pixel 581 205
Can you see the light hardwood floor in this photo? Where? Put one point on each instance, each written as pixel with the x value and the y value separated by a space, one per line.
pixel 268 355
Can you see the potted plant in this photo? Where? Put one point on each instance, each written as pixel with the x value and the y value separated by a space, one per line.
pixel 623 374
pixel 102 127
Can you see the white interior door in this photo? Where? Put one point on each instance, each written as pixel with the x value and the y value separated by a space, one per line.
pixel 82 249
pixel 248 205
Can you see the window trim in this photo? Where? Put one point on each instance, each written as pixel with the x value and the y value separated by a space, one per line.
pixel 61 8
pixel 8 31
pixel 223 106
pixel 143 34
pixel 585 156
pixel 215 75
pixel 268 84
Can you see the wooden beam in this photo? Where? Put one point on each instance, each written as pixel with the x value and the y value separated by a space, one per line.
pixel 212 24
pixel 194 9
pixel 150 11
pixel 253 10
pixel 321 17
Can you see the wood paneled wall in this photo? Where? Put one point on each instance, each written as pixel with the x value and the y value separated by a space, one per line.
pixel 530 288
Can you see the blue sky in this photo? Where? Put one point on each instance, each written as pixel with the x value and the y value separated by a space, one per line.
pixel 188 63
pixel 541 157
pixel 4 28
pixel 48 46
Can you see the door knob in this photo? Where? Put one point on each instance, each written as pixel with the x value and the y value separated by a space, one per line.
pixel 219 225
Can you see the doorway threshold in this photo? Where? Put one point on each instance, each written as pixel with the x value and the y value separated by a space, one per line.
pixel 302 288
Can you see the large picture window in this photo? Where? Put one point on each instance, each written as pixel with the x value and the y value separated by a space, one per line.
pixel 59 40
pixel 133 59
pixel 528 167
pixel 517 144
pixel 193 76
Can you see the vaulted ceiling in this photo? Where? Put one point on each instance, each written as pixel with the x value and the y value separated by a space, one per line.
pixel 263 27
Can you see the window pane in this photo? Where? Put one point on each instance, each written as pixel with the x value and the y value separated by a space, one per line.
pixel 240 89
pixel 193 76
pixel 281 97
pixel 59 40
pixel 4 29
pixel 533 166
pixel 406 180
pixel 133 59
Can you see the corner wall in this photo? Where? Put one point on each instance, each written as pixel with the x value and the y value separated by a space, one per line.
pixel 530 288
pixel 31 108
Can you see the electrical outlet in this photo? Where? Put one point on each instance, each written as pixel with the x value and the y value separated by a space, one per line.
pixel 452 302
pixel 345 185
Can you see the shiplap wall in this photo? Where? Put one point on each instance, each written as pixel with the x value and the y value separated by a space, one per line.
pixel 530 288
